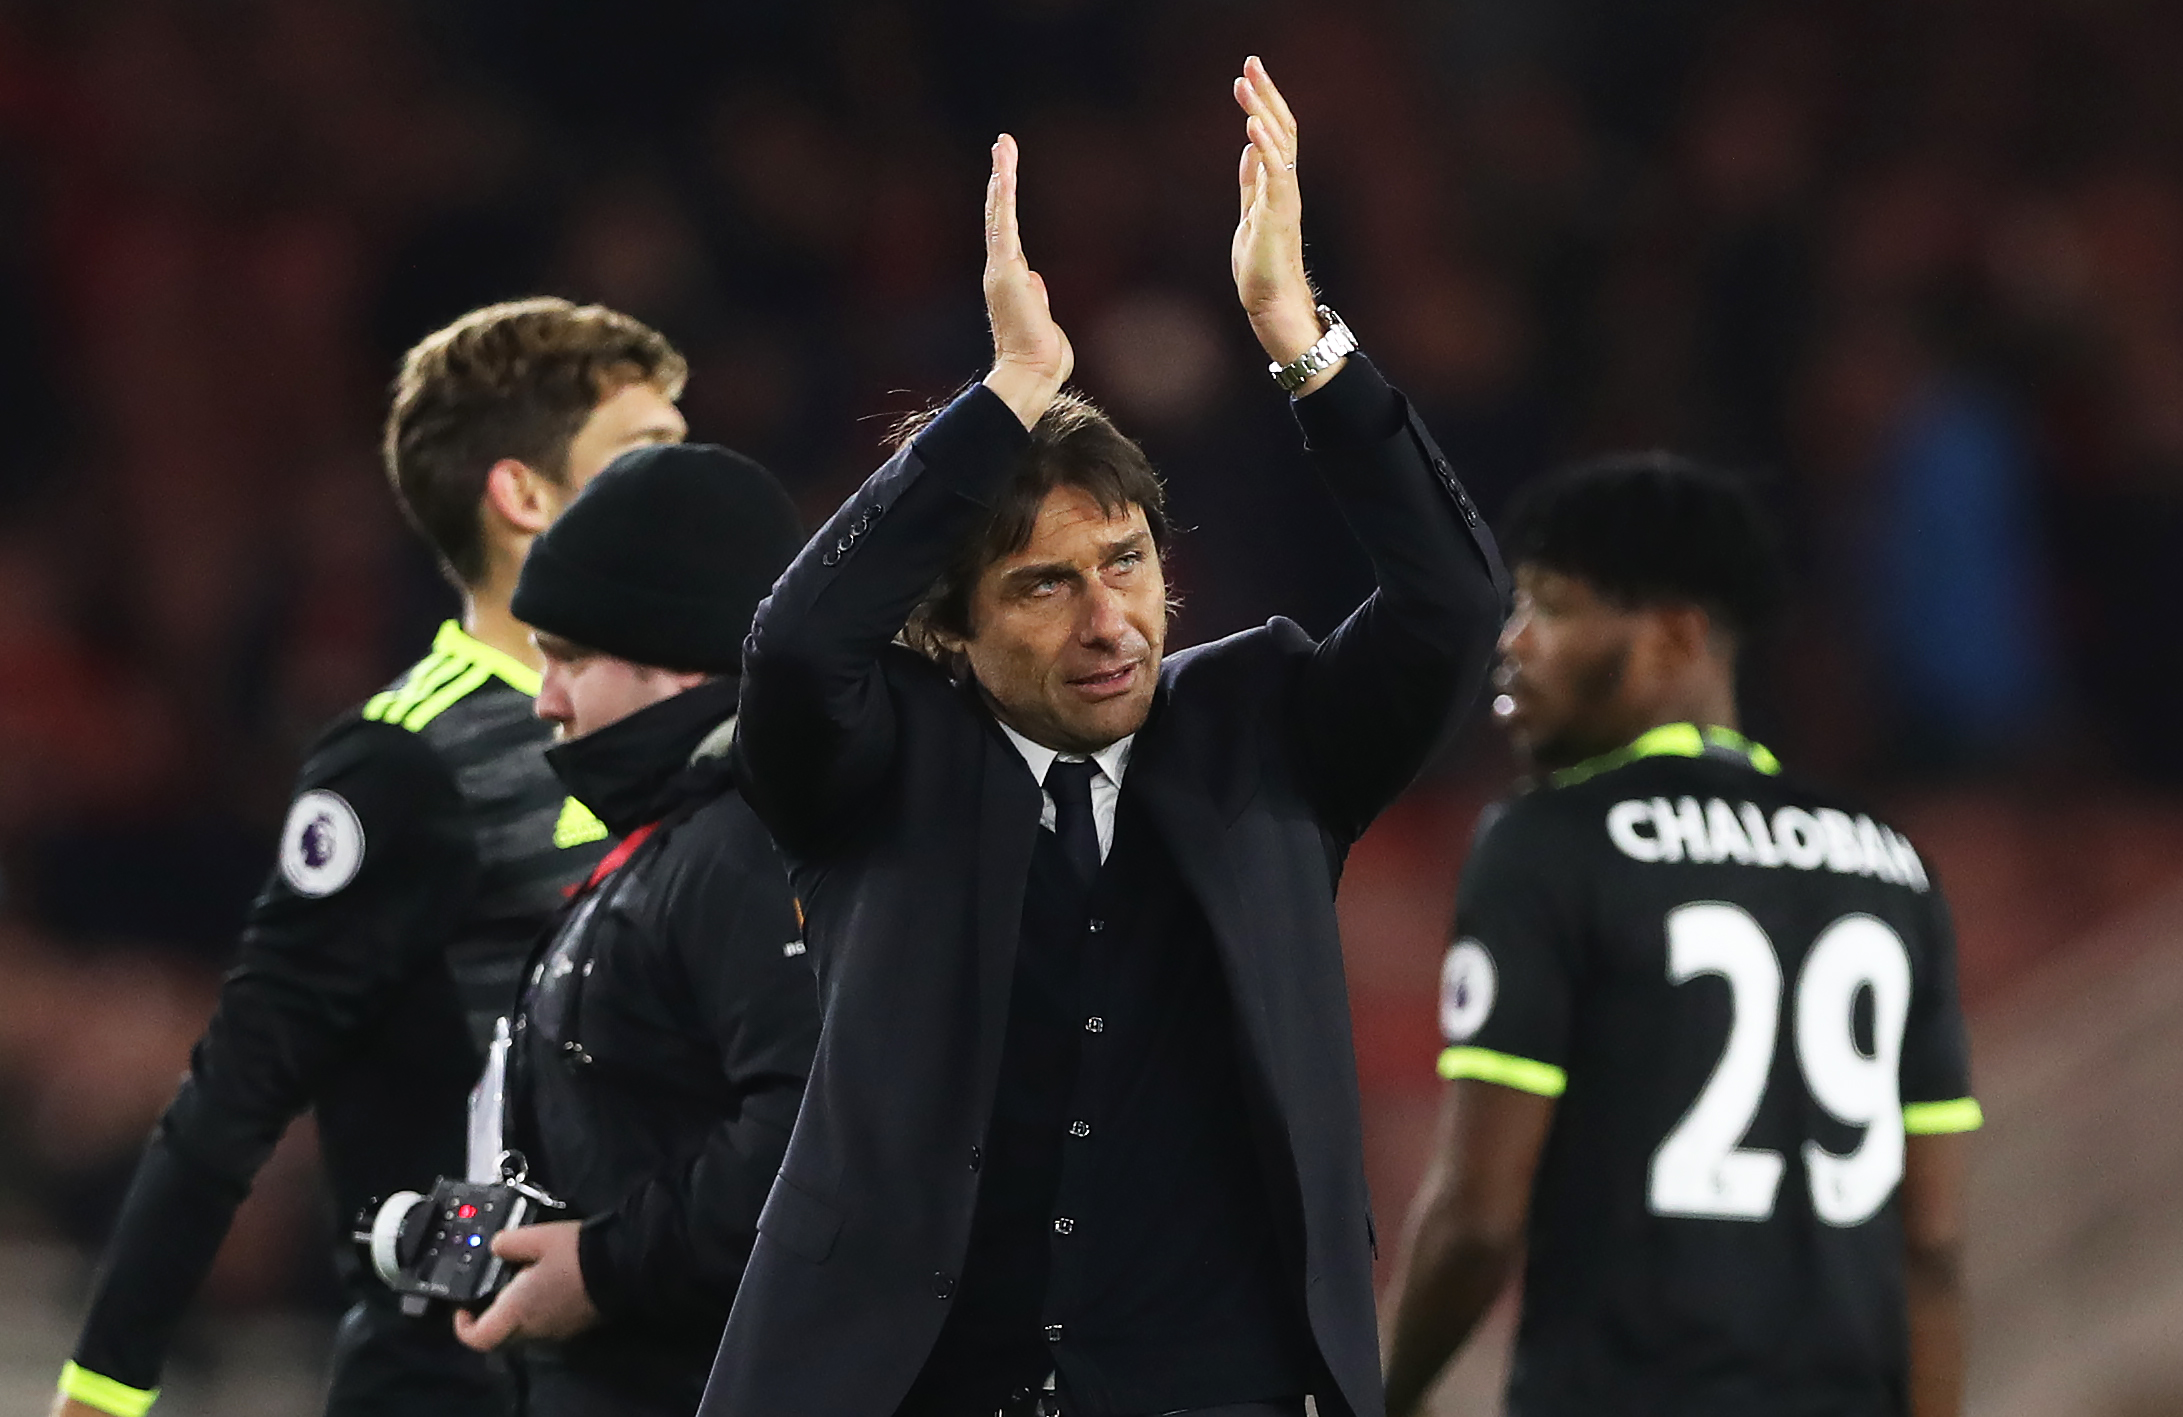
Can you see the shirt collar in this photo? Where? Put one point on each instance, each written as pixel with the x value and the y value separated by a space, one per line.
pixel 1674 740
pixel 1113 760
pixel 458 643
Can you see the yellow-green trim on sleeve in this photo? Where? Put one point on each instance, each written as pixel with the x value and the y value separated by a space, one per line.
pixel 96 1390
pixel 1523 1074
pixel 1929 1119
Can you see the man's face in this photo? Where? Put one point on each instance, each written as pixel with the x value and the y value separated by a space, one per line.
pixel 583 691
pixel 636 415
pixel 1067 632
pixel 1565 663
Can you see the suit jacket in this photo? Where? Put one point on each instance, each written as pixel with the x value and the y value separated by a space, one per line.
pixel 909 822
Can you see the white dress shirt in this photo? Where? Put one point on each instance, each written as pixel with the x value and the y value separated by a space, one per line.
pixel 1106 784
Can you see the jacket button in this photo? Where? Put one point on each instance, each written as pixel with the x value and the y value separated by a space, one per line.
pixel 977 1158
pixel 1095 1024
pixel 1080 1129
pixel 943 1286
pixel 1053 1333
pixel 1064 1226
pixel 1097 925
pixel 831 558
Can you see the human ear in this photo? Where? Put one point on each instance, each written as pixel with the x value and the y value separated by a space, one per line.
pixel 521 496
pixel 1689 633
pixel 1656 651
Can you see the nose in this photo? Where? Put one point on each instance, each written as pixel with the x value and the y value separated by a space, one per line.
pixel 1514 632
pixel 552 703
pixel 1104 625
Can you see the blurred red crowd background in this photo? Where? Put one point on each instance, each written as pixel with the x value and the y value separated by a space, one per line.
pixel 1917 270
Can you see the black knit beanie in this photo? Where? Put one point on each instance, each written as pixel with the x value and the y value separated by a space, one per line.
pixel 663 559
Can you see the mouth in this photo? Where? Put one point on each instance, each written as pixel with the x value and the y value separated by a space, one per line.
pixel 1106 684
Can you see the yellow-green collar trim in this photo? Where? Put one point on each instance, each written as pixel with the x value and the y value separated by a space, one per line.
pixel 457 643
pixel 1672 740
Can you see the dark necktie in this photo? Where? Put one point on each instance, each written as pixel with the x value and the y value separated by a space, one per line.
pixel 1075 830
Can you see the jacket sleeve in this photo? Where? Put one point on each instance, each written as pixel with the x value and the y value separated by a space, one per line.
pixel 817 729
pixel 1381 690
pixel 375 861
pixel 676 1246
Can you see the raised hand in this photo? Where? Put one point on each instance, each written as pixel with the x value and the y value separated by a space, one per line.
pixel 1031 356
pixel 1267 255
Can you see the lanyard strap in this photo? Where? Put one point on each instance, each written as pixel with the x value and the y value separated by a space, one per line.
pixel 617 858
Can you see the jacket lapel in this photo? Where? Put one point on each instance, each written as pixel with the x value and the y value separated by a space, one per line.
pixel 1194 824
pixel 1192 819
pixel 1008 812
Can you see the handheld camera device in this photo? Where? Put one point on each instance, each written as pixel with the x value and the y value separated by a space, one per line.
pixel 440 1247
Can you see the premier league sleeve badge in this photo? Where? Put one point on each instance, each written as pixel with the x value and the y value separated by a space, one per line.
pixel 1467 985
pixel 322 846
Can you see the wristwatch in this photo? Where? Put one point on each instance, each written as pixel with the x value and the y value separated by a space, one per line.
pixel 1332 346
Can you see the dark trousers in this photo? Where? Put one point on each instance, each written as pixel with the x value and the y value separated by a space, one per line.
pixel 386 1365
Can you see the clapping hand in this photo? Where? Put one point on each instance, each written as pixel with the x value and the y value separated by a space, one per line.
pixel 1031 356
pixel 1267 256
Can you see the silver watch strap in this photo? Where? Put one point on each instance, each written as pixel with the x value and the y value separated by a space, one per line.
pixel 1335 344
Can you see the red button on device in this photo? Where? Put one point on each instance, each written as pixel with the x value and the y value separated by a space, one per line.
pixel 465 1211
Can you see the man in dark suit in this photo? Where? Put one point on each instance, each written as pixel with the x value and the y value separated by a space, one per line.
pixel 1082 1133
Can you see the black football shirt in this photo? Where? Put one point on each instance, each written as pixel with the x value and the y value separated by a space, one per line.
pixel 1742 993
pixel 426 845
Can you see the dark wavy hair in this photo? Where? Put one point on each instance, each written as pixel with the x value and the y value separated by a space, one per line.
pixel 1653 529
pixel 1074 445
